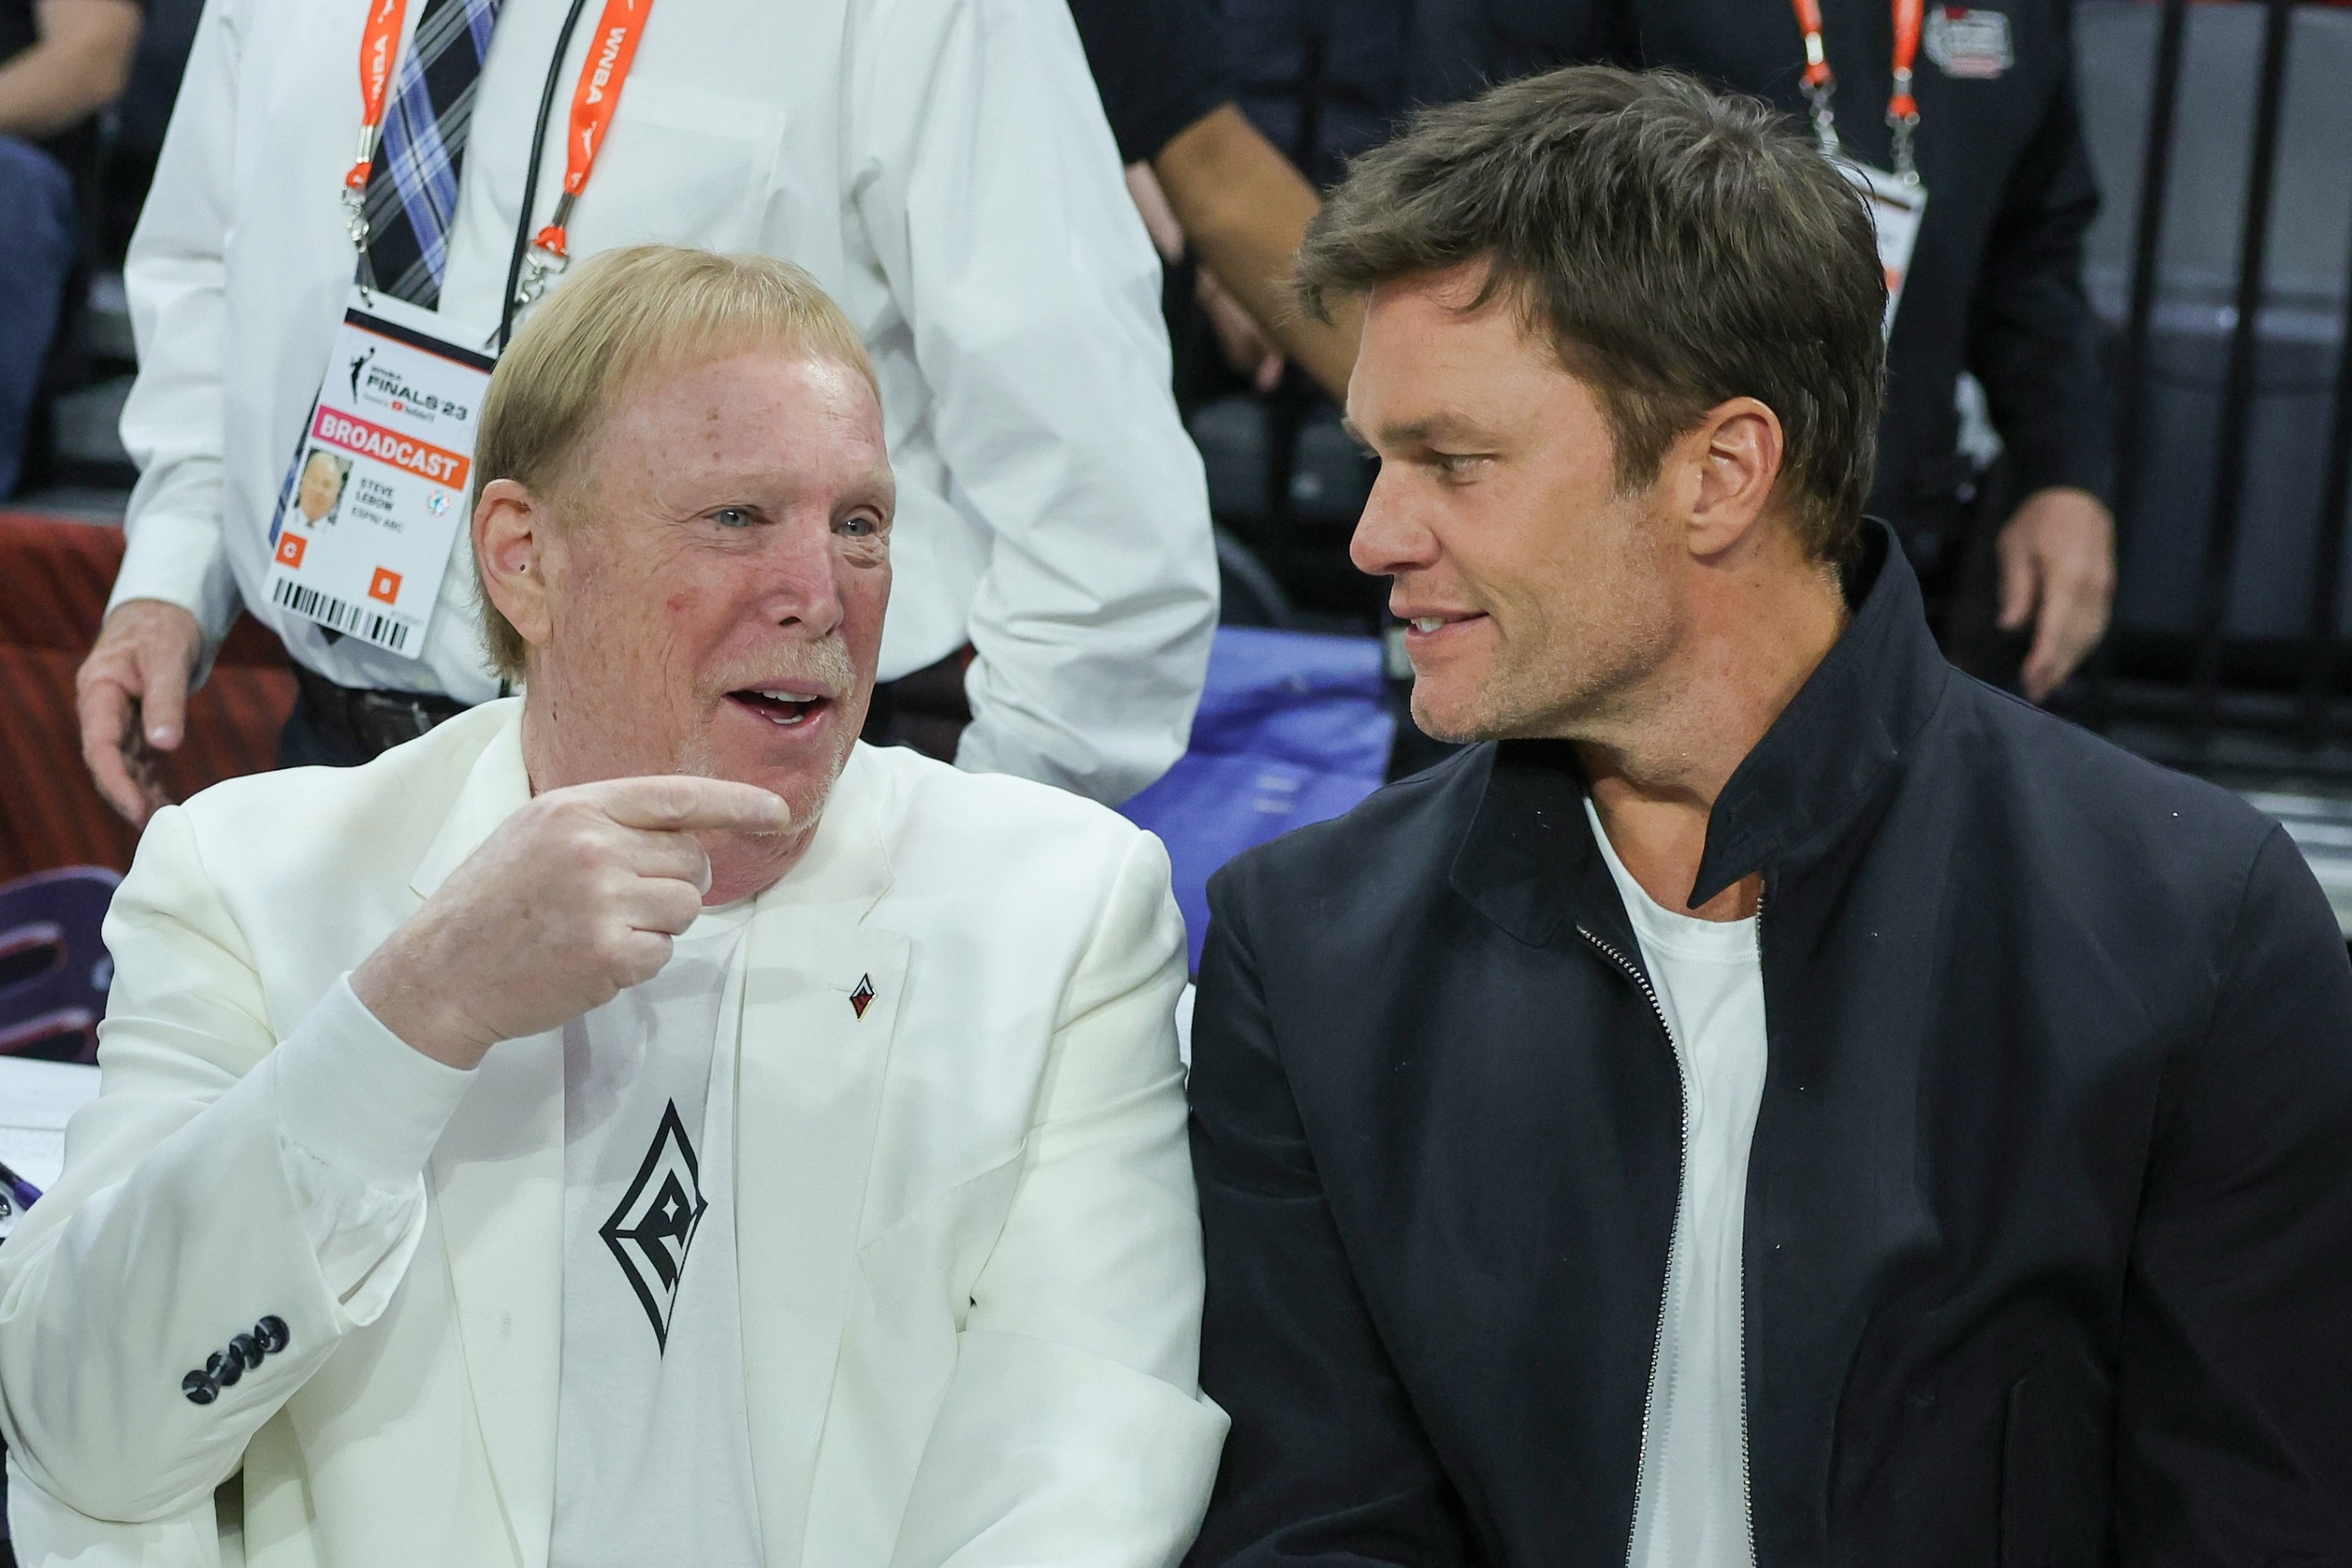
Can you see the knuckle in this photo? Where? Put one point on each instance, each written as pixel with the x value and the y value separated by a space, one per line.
pixel 642 957
pixel 613 949
pixel 670 805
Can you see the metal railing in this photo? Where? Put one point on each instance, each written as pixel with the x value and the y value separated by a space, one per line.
pixel 2191 669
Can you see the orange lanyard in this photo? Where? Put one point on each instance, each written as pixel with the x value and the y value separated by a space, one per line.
pixel 1902 109
pixel 379 41
pixel 594 101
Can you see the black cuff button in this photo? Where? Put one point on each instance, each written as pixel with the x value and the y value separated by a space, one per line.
pixel 223 1368
pixel 200 1389
pixel 246 1349
pixel 271 1333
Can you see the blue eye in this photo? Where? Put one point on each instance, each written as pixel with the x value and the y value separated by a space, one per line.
pixel 733 517
pixel 860 526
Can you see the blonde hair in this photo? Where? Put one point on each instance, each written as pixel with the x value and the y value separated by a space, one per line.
pixel 615 320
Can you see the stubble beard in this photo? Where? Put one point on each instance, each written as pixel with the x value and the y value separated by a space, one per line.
pixel 1593 687
pixel 827 661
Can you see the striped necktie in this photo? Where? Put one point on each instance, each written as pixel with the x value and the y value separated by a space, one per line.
pixel 411 192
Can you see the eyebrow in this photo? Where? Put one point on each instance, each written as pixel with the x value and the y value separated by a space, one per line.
pixel 1436 428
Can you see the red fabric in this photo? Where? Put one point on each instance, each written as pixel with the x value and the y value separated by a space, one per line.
pixel 54 577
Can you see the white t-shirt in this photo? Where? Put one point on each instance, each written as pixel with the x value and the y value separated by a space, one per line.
pixel 653 1449
pixel 1692 1510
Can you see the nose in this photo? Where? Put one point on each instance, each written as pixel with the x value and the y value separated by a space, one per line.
pixel 801 577
pixel 1389 540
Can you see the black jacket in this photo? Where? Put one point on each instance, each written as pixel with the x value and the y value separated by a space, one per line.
pixel 1996 284
pixel 2049 1213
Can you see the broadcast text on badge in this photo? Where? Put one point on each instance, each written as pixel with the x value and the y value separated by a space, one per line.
pixel 419 458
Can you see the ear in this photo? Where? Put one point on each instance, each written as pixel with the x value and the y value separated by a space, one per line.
pixel 511 551
pixel 1734 464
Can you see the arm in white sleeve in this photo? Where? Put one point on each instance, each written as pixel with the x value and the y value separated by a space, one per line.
pixel 990 189
pixel 359 1111
pixel 172 426
pixel 222 1184
pixel 1074 1430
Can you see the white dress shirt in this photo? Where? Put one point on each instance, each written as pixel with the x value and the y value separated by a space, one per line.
pixel 1692 1507
pixel 943 167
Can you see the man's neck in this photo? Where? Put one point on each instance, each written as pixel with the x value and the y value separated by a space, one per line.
pixel 1656 776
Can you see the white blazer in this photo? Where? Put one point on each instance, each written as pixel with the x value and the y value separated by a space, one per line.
pixel 943 167
pixel 969 1253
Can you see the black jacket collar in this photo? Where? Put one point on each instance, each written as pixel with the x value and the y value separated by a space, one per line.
pixel 1528 860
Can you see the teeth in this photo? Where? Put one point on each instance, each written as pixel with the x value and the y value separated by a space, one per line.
pixel 1428 623
pixel 780 706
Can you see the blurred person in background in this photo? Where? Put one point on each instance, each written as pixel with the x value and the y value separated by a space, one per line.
pixel 60 62
pixel 943 167
pixel 1208 182
pixel 2017 557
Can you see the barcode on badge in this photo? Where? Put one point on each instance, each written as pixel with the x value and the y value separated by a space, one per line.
pixel 385 631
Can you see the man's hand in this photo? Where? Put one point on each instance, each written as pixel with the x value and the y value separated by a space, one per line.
pixel 1239 337
pixel 572 900
pixel 2058 572
pixel 132 697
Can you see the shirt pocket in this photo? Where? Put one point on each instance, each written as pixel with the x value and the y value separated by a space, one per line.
pixel 683 165
pixel 937 1250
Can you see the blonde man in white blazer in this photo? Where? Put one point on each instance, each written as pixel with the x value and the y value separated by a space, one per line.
pixel 636 1122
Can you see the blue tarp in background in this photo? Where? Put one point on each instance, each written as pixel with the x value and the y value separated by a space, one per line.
pixel 1292 729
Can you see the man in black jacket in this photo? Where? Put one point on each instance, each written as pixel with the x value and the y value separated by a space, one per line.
pixel 1777 1101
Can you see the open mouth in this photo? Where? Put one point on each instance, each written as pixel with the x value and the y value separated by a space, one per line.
pixel 1437 625
pixel 785 709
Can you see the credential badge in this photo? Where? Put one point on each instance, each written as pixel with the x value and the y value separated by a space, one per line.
pixel 1972 44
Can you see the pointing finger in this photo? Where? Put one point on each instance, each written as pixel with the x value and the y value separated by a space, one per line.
pixel 687 803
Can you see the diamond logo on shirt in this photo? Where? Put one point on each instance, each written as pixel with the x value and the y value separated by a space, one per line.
pixel 654 1226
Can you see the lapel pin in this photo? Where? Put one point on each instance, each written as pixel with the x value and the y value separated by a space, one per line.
pixel 863 997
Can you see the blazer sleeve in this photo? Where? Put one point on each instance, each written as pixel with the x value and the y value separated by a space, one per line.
pixel 988 186
pixel 2235 1439
pixel 1326 1465
pixel 168 1296
pixel 2034 341
pixel 1074 1430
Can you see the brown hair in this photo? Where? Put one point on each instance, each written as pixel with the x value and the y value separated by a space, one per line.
pixel 622 315
pixel 1680 248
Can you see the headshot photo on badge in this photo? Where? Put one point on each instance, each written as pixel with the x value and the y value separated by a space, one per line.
pixel 322 489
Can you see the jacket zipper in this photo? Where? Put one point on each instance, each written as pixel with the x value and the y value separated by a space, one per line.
pixel 1747 1479
pixel 1682 1177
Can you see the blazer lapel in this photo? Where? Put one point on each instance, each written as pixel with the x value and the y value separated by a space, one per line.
pixel 498 1176
pixel 497 1180
pixel 498 786
pixel 821 1005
